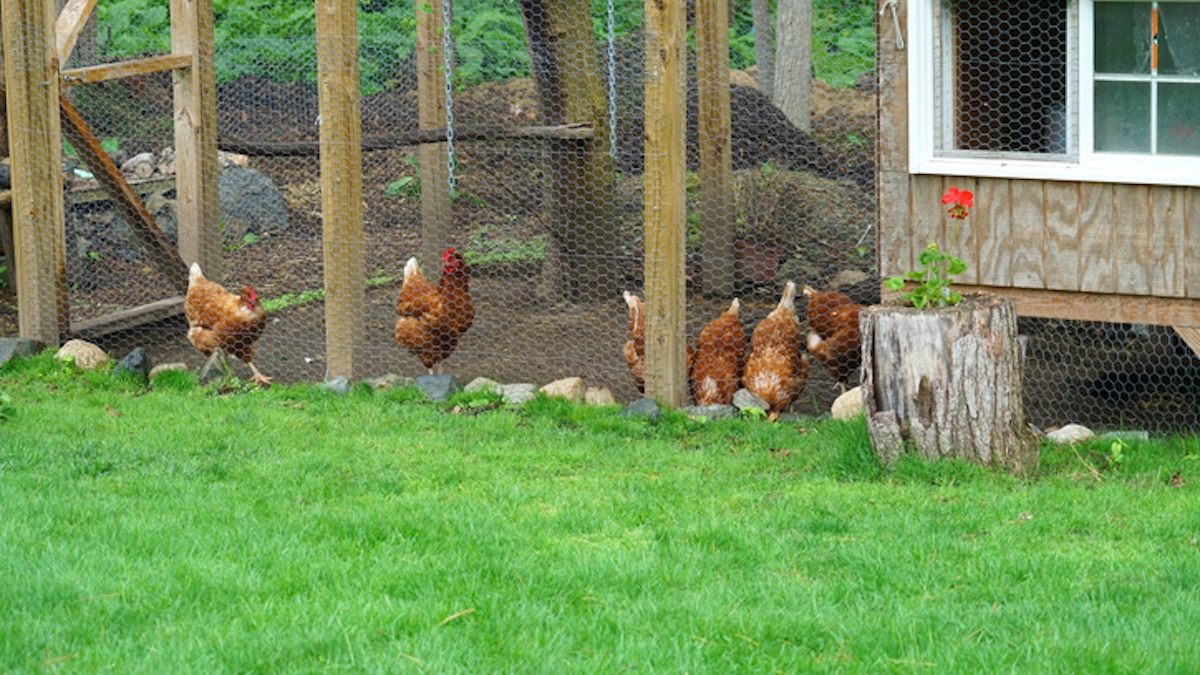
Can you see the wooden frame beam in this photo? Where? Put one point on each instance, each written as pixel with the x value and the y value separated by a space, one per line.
pixel 70 23
pixel 115 71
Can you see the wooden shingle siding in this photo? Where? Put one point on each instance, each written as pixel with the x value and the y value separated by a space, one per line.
pixel 1062 236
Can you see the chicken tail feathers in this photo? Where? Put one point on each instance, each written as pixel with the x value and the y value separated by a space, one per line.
pixel 194 274
pixel 411 268
pixel 788 301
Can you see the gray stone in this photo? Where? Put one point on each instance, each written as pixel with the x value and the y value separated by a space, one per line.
pixel 18 348
pixel 482 384
pixel 798 270
pixel 570 388
pixel 847 406
pixel 643 407
pixel 438 387
pixel 163 209
pixel 1072 433
pixel 848 278
pixel 744 398
pixel 250 202
pixel 140 166
pixel 716 411
pixel 166 368
pixel 389 381
pixel 86 355
pixel 135 363
pixel 518 393
pixel 338 385
pixel 598 396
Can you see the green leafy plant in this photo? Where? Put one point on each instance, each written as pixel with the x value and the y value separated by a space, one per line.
pixel 1116 452
pixel 938 267
pixel 6 407
pixel 483 249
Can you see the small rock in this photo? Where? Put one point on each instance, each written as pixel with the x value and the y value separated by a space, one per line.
pixel 1127 435
pixel 716 411
pixel 86 355
pixel 165 368
pixel 135 363
pixel 1072 433
pixel 570 388
pixel 744 398
pixel 847 278
pixel 232 160
pixel 389 381
pixel 482 384
pixel 598 396
pixel 847 406
pixel 338 385
pixel 438 387
pixel 18 348
pixel 250 202
pixel 518 393
pixel 643 407
pixel 140 166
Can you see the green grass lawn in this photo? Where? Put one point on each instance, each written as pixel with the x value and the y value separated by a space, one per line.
pixel 183 530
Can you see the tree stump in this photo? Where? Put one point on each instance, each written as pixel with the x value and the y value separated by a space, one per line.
pixel 947 381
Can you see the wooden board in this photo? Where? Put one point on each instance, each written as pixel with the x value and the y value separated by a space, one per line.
pixel 716 154
pixel 1191 242
pixel 894 223
pixel 928 217
pixel 433 157
pixel 1096 238
pixel 1167 236
pixel 1133 243
pixel 130 318
pixel 341 186
pixel 113 71
pixel 71 20
pixel 1061 269
pixel 1028 233
pixel 892 92
pixel 993 222
pixel 197 173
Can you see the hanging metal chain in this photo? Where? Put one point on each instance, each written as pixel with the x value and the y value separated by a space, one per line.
pixel 612 84
pixel 447 45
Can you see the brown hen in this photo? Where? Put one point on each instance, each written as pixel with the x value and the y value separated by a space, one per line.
pixel 433 318
pixel 635 348
pixel 221 323
pixel 834 333
pixel 777 368
pixel 720 358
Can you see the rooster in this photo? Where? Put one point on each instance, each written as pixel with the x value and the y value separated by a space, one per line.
pixel 777 369
pixel 433 318
pixel 220 322
pixel 635 348
pixel 720 357
pixel 834 333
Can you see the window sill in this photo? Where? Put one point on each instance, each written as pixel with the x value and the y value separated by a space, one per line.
pixel 1134 169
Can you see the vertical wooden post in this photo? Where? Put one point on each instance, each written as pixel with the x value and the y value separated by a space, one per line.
pixel 716 153
pixel 436 216
pixel 31 62
pixel 197 175
pixel 794 65
pixel 341 185
pixel 664 201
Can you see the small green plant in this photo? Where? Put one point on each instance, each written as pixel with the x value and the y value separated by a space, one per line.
pixel 483 250
pixel 938 267
pixel 1116 452
pixel 6 407
pixel 3 276
pixel 404 185
pixel 247 239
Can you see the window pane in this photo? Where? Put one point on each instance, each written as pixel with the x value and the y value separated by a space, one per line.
pixel 1123 37
pixel 1179 39
pixel 1178 117
pixel 1009 65
pixel 1122 116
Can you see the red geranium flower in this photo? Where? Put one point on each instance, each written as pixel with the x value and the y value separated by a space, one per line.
pixel 959 201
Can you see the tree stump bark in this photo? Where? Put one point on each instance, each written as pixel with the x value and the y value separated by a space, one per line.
pixel 947 381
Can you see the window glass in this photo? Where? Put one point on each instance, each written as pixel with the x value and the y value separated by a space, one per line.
pixel 1122 116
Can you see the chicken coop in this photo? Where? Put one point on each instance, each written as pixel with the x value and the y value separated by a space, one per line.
pixel 1073 122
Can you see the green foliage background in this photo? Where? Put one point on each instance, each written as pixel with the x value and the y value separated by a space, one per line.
pixel 275 39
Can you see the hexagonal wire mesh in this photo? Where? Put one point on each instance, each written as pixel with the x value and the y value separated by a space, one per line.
pixel 548 218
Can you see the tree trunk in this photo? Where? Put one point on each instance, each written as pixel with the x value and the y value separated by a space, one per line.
pixel 581 247
pixel 947 381
pixel 764 45
pixel 793 77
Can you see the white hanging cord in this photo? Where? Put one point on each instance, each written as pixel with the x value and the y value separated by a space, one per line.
pixel 612 84
pixel 447 44
pixel 892 4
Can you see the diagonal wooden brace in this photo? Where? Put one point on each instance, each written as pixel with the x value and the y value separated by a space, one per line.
pixel 163 255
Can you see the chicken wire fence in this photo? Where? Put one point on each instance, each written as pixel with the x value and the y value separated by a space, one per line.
pixel 535 173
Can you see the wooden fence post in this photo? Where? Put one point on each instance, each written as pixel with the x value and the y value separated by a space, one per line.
pixel 436 215
pixel 31 63
pixel 664 201
pixel 341 186
pixel 716 153
pixel 197 175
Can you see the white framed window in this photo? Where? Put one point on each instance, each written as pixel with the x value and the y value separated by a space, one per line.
pixel 1088 90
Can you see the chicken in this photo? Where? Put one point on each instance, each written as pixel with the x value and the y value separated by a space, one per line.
pixel 433 318
pixel 777 368
pixel 834 333
pixel 720 357
pixel 221 323
pixel 635 348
